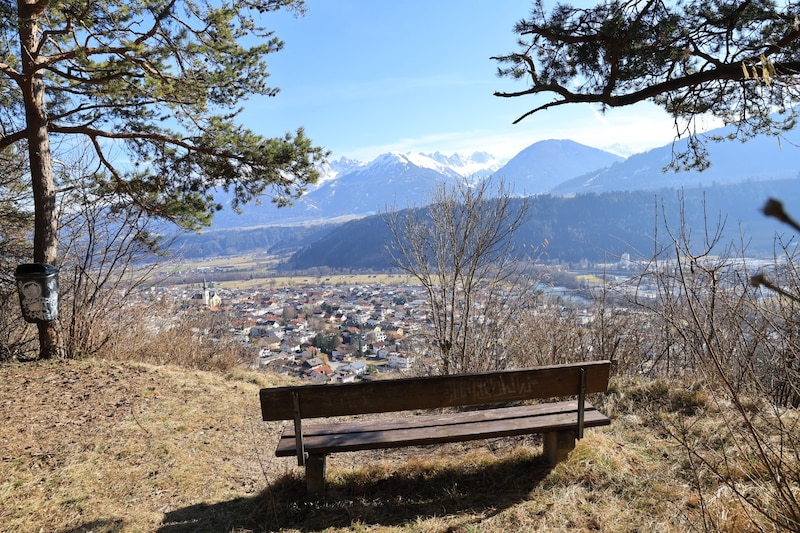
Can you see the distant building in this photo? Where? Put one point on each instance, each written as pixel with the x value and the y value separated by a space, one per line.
pixel 207 298
pixel 312 363
pixel 401 362
pixel 340 377
pixel 359 368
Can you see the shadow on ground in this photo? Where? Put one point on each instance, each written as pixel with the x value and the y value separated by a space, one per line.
pixel 373 496
pixel 110 525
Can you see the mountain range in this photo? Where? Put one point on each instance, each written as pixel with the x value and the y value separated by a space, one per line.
pixel 760 158
pixel 564 181
pixel 351 189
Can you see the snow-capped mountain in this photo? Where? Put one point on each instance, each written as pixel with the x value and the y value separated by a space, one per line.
pixel 394 161
pixel 478 165
pixel 350 188
pixel 331 169
pixel 391 179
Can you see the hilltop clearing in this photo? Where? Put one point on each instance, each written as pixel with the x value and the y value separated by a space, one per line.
pixel 100 446
pixel 89 445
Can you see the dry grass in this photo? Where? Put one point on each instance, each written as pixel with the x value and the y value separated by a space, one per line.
pixel 177 347
pixel 88 445
pixel 100 446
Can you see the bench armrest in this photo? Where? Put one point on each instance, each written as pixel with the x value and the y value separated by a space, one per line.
pixel 298 430
pixel 581 401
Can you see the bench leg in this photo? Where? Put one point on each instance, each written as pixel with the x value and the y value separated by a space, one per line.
pixel 557 445
pixel 315 474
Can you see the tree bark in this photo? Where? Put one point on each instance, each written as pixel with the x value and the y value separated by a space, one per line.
pixel 45 237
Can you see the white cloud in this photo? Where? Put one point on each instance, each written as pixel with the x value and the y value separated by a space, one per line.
pixel 628 130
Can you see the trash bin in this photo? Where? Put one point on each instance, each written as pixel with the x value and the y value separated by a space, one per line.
pixel 37 285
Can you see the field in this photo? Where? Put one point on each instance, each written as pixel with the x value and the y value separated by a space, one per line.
pixel 104 446
pixel 269 280
pixel 258 271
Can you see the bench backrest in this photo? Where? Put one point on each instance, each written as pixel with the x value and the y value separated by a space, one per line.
pixel 406 394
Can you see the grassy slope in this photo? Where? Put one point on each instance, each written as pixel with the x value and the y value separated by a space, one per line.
pixel 99 446
pixel 113 446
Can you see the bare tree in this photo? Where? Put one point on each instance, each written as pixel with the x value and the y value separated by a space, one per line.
pixel 106 248
pixel 711 327
pixel 461 249
pixel 546 336
pixel 104 253
pixel 16 223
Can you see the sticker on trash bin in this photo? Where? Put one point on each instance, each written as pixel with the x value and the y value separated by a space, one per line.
pixel 36 305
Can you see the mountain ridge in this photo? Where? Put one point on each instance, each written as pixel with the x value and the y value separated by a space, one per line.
pixel 350 189
pixel 761 158
pixel 399 180
pixel 545 164
pixel 592 226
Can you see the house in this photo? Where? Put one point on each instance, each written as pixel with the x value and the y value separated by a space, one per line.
pixel 375 335
pixel 272 360
pixel 359 368
pixel 290 345
pixel 380 352
pixel 401 362
pixel 265 331
pixel 312 363
pixel 272 343
pixel 348 377
pixel 376 347
pixel 394 334
pixel 320 374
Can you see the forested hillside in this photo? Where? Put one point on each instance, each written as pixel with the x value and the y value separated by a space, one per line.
pixel 237 241
pixel 595 227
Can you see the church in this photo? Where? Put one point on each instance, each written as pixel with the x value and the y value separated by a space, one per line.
pixel 208 298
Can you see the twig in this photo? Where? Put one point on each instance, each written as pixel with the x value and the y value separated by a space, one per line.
pixel 774 208
pixel 133 414
pixel 760 280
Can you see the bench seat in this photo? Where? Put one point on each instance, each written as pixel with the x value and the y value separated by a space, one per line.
pixel 420 430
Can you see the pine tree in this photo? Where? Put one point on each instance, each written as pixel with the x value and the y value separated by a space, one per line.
pixel 153 87
pixel 737 60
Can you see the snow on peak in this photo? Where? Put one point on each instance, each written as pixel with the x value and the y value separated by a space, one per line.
pixel 465 166
pixel 330 170
pixel 479 163
pixel 408 159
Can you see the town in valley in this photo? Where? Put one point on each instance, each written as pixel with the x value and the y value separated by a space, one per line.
pixel 344 328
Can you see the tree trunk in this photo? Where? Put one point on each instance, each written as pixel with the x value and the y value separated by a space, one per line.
pixel 45 237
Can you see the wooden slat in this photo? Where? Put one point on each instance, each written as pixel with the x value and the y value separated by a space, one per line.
pixel 433 392
pixel 435 429
pixel 439 419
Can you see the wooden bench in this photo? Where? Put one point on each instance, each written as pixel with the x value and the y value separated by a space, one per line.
pixel 560 422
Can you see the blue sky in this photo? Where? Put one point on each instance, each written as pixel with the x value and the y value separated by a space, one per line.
pixel 365 77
